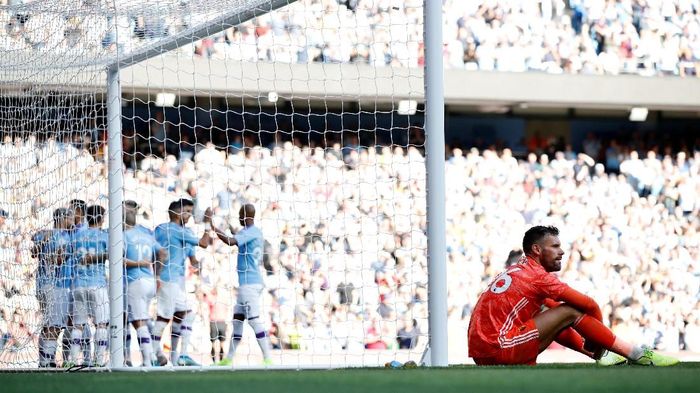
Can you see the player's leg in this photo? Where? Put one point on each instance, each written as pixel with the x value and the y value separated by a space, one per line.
pixel 46 359
pixel 571 339
pixel 67 327
pixel 127 338
pixel 86 339
pixel 141 292
pixel 57 302
pixel 85 344
pixel 551 322
pixel 593 330
pixel 158 327
pixel 239 313
pixel 213 338
pixel 49 330
pixel 166 309
pixel 175 333
pixel 186 319
pixel 80 318
pixel 101 342
pixel 48 344
pixel 253 297
pixel 186 332
pixel 143 336
pixel 221 328
pixel 176 327
pixel 182 329
pixel 522 343
pixel 127 321
pixel 100 315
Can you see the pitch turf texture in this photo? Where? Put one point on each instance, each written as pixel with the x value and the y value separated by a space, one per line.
pixel 560 378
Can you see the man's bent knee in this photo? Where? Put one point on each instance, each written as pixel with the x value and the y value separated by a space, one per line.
pixel 549 323
pixel 571 313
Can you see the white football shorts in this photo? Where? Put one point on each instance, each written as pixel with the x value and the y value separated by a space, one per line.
pixel 90 302
pixel 172 298
pixel 139 294
pixel 55 305
pixel 249 300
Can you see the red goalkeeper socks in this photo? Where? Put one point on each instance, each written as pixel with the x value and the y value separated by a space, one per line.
pixel 571 339
pixel 593 330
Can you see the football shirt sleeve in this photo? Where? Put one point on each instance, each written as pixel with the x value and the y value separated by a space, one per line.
pixel 244 237
pixel 549 286
pixel 581 302
pixel 189 237
pixel 160 236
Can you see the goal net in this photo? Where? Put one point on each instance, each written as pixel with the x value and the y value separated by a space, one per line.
pixel 308 111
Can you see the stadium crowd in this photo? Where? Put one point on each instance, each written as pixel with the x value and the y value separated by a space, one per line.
pixel 345 228
pixel 646 37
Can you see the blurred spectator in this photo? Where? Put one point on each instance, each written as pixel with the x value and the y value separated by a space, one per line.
pixel 4 330
pixel 219 314
pixel 347 243
pixel 407 336
pixel 645 37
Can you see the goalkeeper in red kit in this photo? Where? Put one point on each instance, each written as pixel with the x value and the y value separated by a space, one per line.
pixel 508 325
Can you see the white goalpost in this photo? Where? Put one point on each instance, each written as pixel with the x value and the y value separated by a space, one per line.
pixel 325 115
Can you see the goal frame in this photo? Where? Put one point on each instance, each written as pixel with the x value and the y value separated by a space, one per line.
pixel 436 352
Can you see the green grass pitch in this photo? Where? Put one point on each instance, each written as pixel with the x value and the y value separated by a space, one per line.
pixel 560 378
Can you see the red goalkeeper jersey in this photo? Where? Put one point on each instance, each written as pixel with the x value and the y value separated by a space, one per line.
pixel 512 298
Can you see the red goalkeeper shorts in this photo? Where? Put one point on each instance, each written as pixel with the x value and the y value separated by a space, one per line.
pixel 520 345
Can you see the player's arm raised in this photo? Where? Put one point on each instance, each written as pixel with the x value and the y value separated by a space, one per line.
pixel 194 262
pixel 228 240
pixel 189 237
pixel 205 241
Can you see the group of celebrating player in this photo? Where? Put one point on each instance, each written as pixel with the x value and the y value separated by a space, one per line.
pixel 72 283
pixel 518 316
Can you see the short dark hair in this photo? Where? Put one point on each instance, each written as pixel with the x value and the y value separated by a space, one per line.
pixel 61 212
pixel 77 204
pixel 537 233
pixel 179 204
pixel 94 214
pixel 131 204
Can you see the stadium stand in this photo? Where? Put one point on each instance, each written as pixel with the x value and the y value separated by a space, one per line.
pixel 631 236
pixel 644 37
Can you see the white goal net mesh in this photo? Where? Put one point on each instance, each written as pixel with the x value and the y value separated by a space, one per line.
pixel 308 111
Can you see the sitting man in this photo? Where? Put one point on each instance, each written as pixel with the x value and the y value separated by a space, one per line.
pixel 508 326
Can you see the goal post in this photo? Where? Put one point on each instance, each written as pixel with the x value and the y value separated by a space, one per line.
pixel 116 212
pixel 314 111
pixel 435 153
